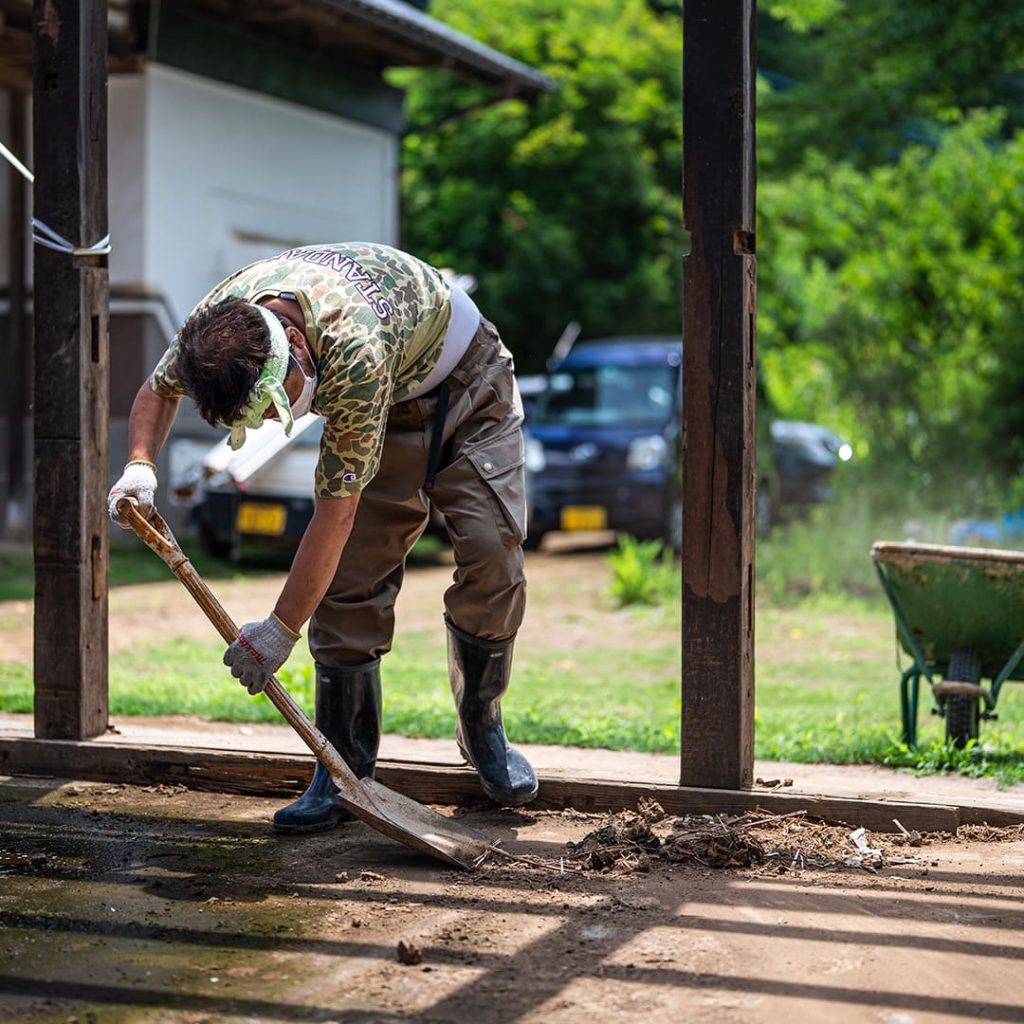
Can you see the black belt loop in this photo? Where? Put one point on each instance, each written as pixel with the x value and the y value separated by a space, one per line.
pixel 436 436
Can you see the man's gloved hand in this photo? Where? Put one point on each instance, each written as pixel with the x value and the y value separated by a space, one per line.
pixel 260 650
pixel 138 481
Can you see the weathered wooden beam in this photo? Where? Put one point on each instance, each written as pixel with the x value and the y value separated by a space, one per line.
pixel 285 775
pixel 719 288
pixel 70 529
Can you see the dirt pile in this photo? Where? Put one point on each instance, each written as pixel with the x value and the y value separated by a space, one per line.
pixel 762 843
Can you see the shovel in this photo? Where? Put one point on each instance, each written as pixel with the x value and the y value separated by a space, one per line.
pixel 383 809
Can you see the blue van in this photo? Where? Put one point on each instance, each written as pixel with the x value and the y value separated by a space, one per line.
pixel 604 446
pixel 603 440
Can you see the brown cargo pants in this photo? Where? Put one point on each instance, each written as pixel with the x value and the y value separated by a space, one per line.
pixel 479 489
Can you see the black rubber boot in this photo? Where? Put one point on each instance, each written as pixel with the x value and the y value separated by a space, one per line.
pixel 348 714
pixel 479 672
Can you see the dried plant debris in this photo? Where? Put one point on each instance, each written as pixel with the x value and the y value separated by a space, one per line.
pixel 713 844
pixel 756 841
pixel 989 834
pixel 625 842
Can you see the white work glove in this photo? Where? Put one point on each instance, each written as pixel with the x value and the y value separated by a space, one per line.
pixel 138 482
pixel 260 650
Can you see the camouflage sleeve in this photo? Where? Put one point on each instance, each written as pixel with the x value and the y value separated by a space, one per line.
pixel 164 379
pixel 355 409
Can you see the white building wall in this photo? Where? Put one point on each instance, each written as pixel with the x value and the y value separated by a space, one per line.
pixel 232 176
pixel 126 177
pixel 204 178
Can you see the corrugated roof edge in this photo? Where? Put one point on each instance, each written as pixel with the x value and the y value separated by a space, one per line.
pixel 413 24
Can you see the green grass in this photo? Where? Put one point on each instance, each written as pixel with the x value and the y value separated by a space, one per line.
pixel 826 691
pixel 827 670
pixel 827 665
pixel 186 677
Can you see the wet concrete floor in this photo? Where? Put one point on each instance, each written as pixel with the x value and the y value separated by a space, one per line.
pixel 122 904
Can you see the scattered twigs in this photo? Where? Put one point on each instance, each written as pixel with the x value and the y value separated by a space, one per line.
pixel 530 861
pixel 738 824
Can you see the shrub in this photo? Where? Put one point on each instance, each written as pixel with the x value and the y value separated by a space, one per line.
pixel 641 574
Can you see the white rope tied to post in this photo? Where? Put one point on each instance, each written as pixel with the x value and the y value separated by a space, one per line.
pixel 44 235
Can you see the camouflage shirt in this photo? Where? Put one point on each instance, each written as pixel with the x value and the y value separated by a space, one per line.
pixel 375 319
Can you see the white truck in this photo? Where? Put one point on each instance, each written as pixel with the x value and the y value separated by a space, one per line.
pixel 263 491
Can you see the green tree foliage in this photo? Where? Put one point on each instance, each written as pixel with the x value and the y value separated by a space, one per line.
pixel 890 154
pixel 889 220
pixel 861 78
pixel 568 209
pixel 895 295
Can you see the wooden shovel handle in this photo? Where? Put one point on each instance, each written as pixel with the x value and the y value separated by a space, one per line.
pixel 156 535
pixel 390 813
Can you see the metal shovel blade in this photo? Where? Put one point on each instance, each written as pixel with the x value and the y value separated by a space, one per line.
pixel 409 822
pixel 388 812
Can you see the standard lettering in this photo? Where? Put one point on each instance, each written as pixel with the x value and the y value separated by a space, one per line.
pixel 354 273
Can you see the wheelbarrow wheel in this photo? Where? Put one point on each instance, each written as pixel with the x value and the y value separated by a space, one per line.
pixel 963 712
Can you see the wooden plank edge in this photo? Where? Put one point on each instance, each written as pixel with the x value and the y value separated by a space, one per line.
pixel 261 774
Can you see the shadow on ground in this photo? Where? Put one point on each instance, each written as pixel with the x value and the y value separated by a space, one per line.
pixel 122 904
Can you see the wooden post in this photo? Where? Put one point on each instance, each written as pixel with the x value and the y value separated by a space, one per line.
pixel 719 285
pixel 70 528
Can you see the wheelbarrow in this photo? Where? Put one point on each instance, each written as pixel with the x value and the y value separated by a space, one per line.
pixel 960 616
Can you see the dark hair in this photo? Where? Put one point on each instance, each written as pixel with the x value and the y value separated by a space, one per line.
pixel 221 351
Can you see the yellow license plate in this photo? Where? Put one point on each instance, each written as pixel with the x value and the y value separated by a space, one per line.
pixel 266 519
pixel 584 517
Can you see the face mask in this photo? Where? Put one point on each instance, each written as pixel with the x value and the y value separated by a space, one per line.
pixel 304 402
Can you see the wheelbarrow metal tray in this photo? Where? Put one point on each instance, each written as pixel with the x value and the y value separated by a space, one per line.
pixel 950 597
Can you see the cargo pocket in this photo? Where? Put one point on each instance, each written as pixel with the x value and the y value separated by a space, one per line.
pixel 499 464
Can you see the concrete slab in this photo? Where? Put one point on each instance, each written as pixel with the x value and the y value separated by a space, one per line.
pixel 122 905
